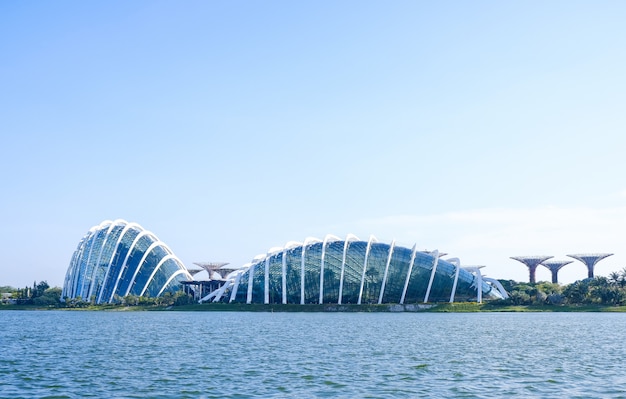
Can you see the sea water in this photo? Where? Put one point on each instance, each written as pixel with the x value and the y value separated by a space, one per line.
pixel 81 354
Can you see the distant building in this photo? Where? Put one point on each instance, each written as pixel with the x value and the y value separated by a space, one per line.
pixel 589 260
pixel 7 298
pixel 554 266
pixel 531 262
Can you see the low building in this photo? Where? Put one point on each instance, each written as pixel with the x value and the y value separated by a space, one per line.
pixel 353 271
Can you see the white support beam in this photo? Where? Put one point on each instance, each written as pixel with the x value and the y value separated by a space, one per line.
pixel 284 277
pixel 384 283
pixel 367 254
pixel 435 254
pixel 457 265
pixel 408 276
pixel 250 283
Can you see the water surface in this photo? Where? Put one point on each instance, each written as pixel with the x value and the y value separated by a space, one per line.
pixel 77 354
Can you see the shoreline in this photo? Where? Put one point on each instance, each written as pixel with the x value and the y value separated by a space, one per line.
pixel 469 307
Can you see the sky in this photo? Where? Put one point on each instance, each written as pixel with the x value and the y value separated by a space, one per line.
pixel 483 129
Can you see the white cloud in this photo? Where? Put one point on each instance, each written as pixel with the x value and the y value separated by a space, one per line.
pixel 491 236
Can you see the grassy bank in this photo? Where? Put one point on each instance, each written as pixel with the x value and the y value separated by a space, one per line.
pixel 467 307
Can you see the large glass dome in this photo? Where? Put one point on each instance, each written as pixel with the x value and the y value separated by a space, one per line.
pixel 352 271
pixel 117 258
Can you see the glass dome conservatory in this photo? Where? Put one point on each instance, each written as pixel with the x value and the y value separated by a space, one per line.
pixel 117 258
pixel 352 271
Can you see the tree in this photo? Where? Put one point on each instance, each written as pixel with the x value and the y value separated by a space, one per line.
pixel 130 300
pixel 50 297
pixel 181 298
pixel 577 292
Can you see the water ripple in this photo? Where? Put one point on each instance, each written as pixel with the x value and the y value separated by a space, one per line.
pixel 58 354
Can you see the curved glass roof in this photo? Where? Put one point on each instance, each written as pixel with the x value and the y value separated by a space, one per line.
pixel 352 271
pixel 118 258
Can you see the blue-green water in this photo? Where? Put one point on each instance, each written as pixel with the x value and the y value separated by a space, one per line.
pixel 306 355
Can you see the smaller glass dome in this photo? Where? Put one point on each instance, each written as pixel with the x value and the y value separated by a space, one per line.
pixel 118 258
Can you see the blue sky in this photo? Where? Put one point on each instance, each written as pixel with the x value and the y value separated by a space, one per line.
pixel 483 129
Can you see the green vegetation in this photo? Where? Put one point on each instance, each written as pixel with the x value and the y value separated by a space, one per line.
pixel 40 295
pixel 600 294
pixel 598 291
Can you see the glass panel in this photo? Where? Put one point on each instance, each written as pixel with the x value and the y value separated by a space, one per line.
pixel 332 271
pixel 396 277
pixel 420 275
pixel 90 261
pixel 166 270
pixel 242 289
pixel 136 254
pixel 147 267
pixel 294 264
pixel 374 272
pixel 353 270
pixel 442 283
pixel 117 262
pixel 81 262
pixel 275 278
pixel 312 262
pixel 102 264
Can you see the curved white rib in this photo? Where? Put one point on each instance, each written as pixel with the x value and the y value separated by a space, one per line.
pixel 284 277
pixel 266 282
pixel 382 288
pixel 367 254
pixel 303 257
pixel 210 295
pixel 250 280
pixel 307 242
pixel 97 265
pixel 351 237
pixel 259 257
pixel 457 265
pixel 80 275
pixel 180 271
pixel 69 274
pixel 117 247
pixel 131 248
pixel 479 282
pixel 311 240
pixel 157 267
pixel 85 272
pixel 408 276
pixel 498 286
pixel 233 293
pixel 346 246
pixel 85 267
pixel 292 244
pixel 274 250
pixel 76 269
pixel 140 264
pixel 220 291
pixel 69 290
pixel 434 254
pixel 327 239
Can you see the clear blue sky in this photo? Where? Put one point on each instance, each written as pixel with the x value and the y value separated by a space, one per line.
pixel 484 129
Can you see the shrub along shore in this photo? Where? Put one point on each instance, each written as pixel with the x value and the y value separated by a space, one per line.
pixel 463 307
pixel 599 294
